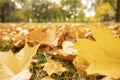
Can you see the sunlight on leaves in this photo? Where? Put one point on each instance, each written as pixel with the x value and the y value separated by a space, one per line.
pixel 53 67
pixel 102 55
pixel 16 67
pixel 47 78
pixel 48 36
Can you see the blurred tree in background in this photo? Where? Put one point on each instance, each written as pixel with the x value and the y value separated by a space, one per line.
pixel 106 10
pixel 7 10
pixel 72 8
pixel 118 11
pixel 59 10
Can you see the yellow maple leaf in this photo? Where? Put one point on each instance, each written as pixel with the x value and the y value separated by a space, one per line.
pixel 53 67
pixel 47 78
pixel 102 55
pixel 47 36
pixel 16 67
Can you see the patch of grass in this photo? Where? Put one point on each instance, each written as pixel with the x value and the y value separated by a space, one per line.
pixel 67 75
pixel 38 72
pixel 5 47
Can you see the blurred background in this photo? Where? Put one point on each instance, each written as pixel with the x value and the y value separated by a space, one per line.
pixel 59 11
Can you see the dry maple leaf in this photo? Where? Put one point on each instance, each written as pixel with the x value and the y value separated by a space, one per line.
pixel 102 54
pixel 53 67
pixel 66 52
pixel 47 78
pixel 108 78
pixel 48 36
pixel 16 67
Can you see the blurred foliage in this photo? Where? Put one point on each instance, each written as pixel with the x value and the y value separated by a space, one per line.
pixel 7 9
pixel 65 11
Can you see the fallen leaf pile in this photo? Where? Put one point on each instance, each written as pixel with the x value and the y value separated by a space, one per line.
pixel 59 51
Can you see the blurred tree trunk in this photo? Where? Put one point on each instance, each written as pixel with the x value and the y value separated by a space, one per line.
pixel 118 11
pixel 3 15
pixel 7 8
pixel 2 18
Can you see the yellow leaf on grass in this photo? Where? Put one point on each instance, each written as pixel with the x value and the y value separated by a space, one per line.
pixel 103 55
pixel 47 78
pixel 53 67
pixel 16 67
